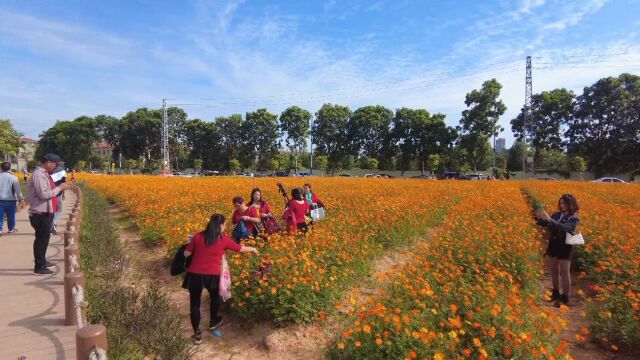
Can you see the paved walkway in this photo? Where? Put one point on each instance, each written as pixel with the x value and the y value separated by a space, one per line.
pixel 32 307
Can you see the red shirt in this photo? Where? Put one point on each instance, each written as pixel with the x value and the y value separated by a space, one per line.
pixel 54 200
pixel 207 260
pixel 299 210
pixel 264 208
pixel 250 212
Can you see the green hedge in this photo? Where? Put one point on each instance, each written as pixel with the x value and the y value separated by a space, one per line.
pixel 139 321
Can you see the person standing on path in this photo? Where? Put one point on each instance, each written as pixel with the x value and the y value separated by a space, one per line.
pixel 25 174
pixel 10 194
pixel 59 176
pixel 560 223
pixel 43 203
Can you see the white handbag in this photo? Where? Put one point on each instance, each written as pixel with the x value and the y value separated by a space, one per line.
pixel 576 239
pixel 317 214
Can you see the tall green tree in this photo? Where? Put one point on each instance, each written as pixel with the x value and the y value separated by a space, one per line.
pixel 231 132
pixel 419 134
pixel 294 123
pixel 9 138
pixel 140 135
pixel 205 143
pixel 515 155
pixel 479 120
pixel 605 129
pixel 71 140
pixel 549 111
pixel 331 135
pixel 370 129
pixel 260 130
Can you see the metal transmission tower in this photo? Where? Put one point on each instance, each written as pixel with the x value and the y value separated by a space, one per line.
pixel 166 168
pixel 528 91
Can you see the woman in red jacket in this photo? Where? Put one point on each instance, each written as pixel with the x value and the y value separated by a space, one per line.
pixel 297 209
pixel 247 214
pixel 207 248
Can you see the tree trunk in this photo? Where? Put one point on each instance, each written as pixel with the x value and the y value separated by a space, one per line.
pixel 422 172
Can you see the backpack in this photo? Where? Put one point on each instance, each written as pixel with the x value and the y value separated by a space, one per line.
pixel 240 232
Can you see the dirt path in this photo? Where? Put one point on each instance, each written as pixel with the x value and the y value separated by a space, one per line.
pixel 240 339
pixel 575 315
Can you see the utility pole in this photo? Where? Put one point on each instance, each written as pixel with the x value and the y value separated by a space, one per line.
pixel 528 90
pixel 166 168
pixel 496 130
pixel 310 149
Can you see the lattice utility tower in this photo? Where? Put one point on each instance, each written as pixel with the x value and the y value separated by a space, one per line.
pixel 528 90
pixel 166 168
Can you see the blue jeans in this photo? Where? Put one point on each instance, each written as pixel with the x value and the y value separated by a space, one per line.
pixel 8 208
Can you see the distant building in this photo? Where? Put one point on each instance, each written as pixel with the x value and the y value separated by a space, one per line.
pixel 102 150
pixel 25 153
pixel 501 145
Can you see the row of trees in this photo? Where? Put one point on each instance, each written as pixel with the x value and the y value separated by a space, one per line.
pixel 601 125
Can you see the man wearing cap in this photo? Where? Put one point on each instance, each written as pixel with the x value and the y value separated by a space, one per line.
pixel 43 203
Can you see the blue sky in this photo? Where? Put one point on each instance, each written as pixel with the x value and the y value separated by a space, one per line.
pixel 63 59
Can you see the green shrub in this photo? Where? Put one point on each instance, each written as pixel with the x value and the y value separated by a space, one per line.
pixel 139 321
pixel 152 236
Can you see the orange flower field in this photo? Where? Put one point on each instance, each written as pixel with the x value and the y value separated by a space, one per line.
pixel 610 258
pixel 308 273
pixel 472 288
pixel 471 292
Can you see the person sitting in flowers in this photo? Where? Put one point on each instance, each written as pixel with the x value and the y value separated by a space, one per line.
pixel 247 214
pixel 560 223
pixel 207 248
pixel 311 197
pixel 260 204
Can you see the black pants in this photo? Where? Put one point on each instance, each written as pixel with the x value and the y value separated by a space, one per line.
pixel 196 284
pixel 42 225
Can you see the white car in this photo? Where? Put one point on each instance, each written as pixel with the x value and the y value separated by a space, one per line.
pixel 609 180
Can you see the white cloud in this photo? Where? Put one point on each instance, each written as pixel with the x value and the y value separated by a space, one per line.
pixel 60 39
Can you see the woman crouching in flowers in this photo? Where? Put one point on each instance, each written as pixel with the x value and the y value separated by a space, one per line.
pixel 207 248
pixel 560 223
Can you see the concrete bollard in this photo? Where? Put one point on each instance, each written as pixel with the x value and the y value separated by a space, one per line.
pixel 70 250
pixel 88 338
pixel 70 315
pixel 68 236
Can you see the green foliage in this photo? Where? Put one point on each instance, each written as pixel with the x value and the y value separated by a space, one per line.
pixel 234 165
pixel 331 134
pixel 604 128
pixel 321 162
pixel 260 140
pixel 549 110
pixel 552 160
pixel 152 236
pixel 81 164
pixel 577 164
pixel 9 137
pixel 369 129
pixel 515 156
pixel 197 164
pixel 71 140
pixel 368 163
pixel 131 164
pixel 139 322
pixel 479 120
pixel 419 134
pixel 433 162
